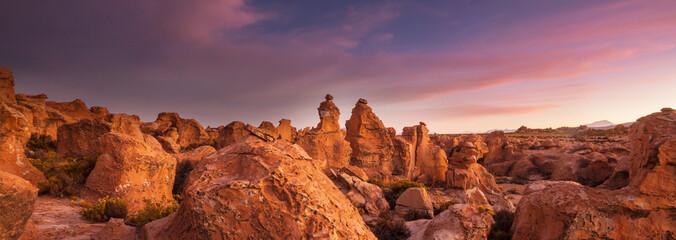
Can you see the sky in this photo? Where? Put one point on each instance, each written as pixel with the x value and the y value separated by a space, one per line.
pixel 456 65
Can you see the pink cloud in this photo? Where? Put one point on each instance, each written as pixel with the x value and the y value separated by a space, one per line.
pixel 470 111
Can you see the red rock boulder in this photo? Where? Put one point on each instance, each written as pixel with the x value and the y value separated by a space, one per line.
pixel 17 199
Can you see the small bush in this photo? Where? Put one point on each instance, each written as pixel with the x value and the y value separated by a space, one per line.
pixel 40 142
pixel 154 210
pixel 64 176
pixel 443 207
pixel 79 169
pixel 104 209
pixel 501 229
pixel 413 214
pixel 389 226
pixel 488 210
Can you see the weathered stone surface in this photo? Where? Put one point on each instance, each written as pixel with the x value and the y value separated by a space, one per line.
pixel 115 229
pixel 460 221
pixel 286 131
pixel 231 134
pixel 429 160
pixel 371 142
pixel 500 153
pixel 131 169
pixel 326 142
pixel 189 130
pixel 415 199
pixel 81 138
pixel 261 190
pixel 7 86
pixel 76 109
pixel 363 194
pixel 14 133
pixel 17 197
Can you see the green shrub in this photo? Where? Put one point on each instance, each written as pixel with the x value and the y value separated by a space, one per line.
pixel 443 207
pixel 154 210
pixel 414 214
pixel 397 188
pixel 64 176
pixel 488 210
pixel 104 209
pixel 78 169
pixel 501 229
pixel 389 226
pixel 40 142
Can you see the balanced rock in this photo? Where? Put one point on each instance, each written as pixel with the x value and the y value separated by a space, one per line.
pixel 286 131
pixel 132 170
pixel 326 142
pixel 260 190
pixel 371 142
pixel 7 86
pixel 17 198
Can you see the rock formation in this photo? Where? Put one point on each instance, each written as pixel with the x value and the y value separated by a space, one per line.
pixel 17 197
pixel 460 221
pixel 429 160
pixel 179 131
pixel 81 138
pixel 372 143
pixel 131 169
pixel 14 133
pixel 415 199
pixel 326 141
pixel 231 134
pixel 7 86
pixel 642 210
pixel 362 194
pixel 286 131
pixel 263 191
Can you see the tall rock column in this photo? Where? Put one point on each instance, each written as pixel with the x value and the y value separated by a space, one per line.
pixel 7 86
pixel 326 142
pixel 372 143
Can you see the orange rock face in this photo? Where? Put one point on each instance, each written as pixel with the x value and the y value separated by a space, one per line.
pixel 372 143
pixel 429 160
pixel 17 197
pixel 7 86
pixel 326 142
pixel 231 134
pixel 642 210
pixel 460 221
pixel 189 130
pixel 14 133
pixel 131 169
pixel 82 138
pixel 286 131
pixel 260 190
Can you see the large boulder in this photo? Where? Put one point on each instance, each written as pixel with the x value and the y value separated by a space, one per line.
pixel 501 153
pixel 17 197
pixel 7 86
pixel 415 199
pixel 14 133
pixel 231 134
pixel 77 109
pixel 189 130
pixel 372 143
pixel 131 169
pixel 82 138
pixel 326 142
pixel 460 221
pixel 260 190
pixel 286 131
pixel 362 194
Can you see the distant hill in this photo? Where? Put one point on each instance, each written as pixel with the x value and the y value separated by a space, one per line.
pixel 504 130
pixel 605 125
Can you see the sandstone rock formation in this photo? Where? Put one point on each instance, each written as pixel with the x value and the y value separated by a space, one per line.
pixel 81 138
pixel 642 210
pixel 286 131
pixel 260 190
pixel 326 141
pixel 7 86
pixel 14 133
pixel 362 194
pixel 501 154
pixel 231 134
pixel 429 163
pixel 131 169
pixel 460 221
pixel 415 199
pixel 372 143
pixel 174 128
pixel 17 197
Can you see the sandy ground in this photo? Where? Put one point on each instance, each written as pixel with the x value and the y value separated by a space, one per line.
pixel 54 218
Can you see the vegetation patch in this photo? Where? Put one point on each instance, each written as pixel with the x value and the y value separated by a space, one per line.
pixel 389 226
pixel 104 209
pixel 443 207
pixel 154 210
pixel 488 210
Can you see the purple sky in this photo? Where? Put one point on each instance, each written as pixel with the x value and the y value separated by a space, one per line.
pixel 457 65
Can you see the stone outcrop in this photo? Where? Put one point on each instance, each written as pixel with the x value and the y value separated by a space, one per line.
pixel 326 142
pixel 260 190
pixel 286 131
pixel 77 109
pixel 460 221
pixel 14 133
pixel 372 143
pixel 642 210
pixel 188 131
pixel 429 163
pixel 231 134
pixel 17 198
pixel 7 86
pixel 415 199
pixel 82 138
pixel 501 154
pixel 362 194
pixel 131 169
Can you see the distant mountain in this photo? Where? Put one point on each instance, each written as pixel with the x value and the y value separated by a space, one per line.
pixel 504 130
pixel 601 124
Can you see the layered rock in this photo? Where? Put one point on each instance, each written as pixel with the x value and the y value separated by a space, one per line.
pixel 372 143
pixel 77 109
pixel 260 190
pixel 131 169
pixel 286 131
pixel 501 154
pixel 326 142
pixel 231 134
pixel 17 198
pixel 460 221
pixel 189 131
pixel 362 194
pixel 82 138
pixel 642 210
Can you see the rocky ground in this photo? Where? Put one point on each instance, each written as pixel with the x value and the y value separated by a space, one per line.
pixel 174 179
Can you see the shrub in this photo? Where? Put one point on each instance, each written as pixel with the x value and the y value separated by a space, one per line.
pixel 79 169
pixel 104 209
pixel 40 142
pixel 488 210
pixel 397 188
pixel 414 214
pixel 64 176
pixel 388 226
pixel 443 207
pixel 154 210
pixel 501 229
